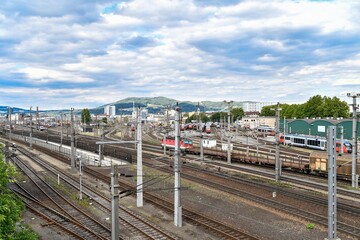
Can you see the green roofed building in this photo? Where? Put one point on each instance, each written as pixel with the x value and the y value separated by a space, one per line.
pixel 318 127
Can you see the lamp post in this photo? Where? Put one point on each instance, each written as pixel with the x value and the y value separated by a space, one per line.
pixel 229 138
pixel 354 182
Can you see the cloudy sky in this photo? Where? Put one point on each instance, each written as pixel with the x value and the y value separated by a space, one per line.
pixel 63 53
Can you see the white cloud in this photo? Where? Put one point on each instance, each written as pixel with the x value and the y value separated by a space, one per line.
pixel 267 58
pixel 49 75
pixel 118 20
pixel 165 47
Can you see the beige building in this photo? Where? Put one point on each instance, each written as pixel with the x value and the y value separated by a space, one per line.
pixel 256 121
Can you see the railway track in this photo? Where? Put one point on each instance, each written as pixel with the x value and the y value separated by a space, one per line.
pixel 351 230
pixel 95 229
pixel 130 154
pixel 312 183
pixel 210 179
pixel 219 229
pixel 212 225
pixel 71 228
pixel 130 220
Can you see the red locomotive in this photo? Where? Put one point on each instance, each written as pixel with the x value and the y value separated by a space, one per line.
pixel 170 143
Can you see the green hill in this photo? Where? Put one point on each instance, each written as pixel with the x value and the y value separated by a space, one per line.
pixel 158 104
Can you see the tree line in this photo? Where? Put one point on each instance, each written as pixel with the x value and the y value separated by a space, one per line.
pixel 236 113
pixel 316 106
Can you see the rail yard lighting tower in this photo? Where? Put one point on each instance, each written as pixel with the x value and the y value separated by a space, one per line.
pixel 229 137
pixel 354 174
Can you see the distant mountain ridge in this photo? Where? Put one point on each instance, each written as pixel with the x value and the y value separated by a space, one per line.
pixel 158 104
pixel 152 104
pixel 14 110
pixel 4 109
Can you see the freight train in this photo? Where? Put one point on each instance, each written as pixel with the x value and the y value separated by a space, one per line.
pixel 314 163
pixel 312 142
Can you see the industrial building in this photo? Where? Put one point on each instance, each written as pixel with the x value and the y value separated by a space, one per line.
pixel 318 127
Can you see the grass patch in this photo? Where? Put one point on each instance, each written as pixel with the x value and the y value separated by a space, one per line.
pixel 310 226
pixel 85 202
pixel 20 177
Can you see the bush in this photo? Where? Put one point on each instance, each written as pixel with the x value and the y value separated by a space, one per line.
pixel 11 207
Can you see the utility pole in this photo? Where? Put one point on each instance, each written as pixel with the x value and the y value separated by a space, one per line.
pixel 247 144
pixel 72 139
pixel 31 129
pixel 80 180
pixel 164 140
pixel 61 126
pixel 23 122
pixel 177 170
pixel 101 147
pixel 202 147
pixel 284 129
pixel 229 137
pixel 166 126
pixel 198 116
pixel 139 185
pixel 332 215
pixel 37 118
pixel 9 119
pixel 201 134
pixel 277 153
pixel 354 175
pixel 114 203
